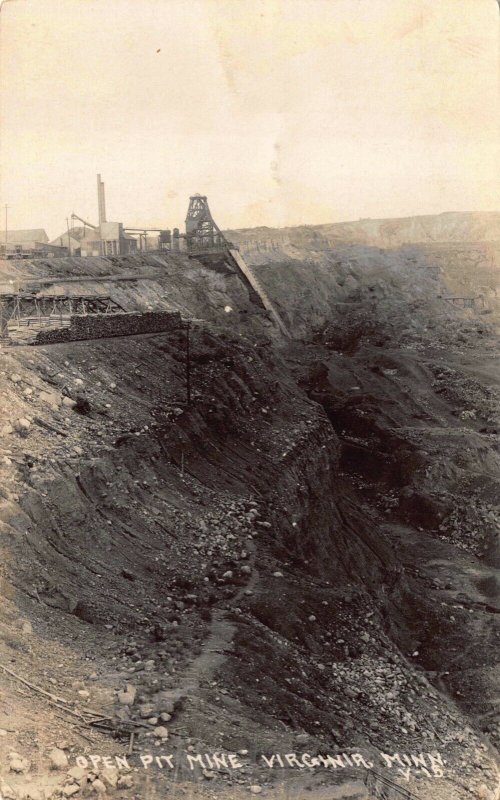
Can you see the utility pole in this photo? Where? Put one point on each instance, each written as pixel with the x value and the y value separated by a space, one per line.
pixel 6 230
pixel 4 331
pixel 188 362
pixel 69 242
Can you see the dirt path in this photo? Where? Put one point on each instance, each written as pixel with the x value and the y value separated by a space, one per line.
pixel 217 644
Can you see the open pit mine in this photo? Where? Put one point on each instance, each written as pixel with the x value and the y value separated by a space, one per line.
pixel 249 520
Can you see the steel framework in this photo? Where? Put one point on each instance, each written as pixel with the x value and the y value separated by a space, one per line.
pixel 202 232
pixel 25 309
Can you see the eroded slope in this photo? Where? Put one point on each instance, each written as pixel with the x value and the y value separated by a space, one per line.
pixel 293 563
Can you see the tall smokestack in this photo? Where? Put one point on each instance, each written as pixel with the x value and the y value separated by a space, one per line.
pixel 101 202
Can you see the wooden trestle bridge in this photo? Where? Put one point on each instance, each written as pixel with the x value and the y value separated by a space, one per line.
pixel 19 309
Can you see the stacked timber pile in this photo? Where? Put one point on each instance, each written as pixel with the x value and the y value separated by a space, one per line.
pixel 103 326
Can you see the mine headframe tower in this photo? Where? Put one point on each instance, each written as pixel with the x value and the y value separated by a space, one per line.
pixel 206 242
pixel 202 232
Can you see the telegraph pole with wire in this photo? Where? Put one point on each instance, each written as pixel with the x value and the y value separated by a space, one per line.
pixel 6 229
pixel 69 242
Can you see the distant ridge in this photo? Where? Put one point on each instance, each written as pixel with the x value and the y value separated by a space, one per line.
pixel 448 226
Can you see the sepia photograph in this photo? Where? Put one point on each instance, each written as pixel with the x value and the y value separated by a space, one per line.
pixel 249 399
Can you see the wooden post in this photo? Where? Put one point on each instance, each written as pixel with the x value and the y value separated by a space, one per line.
pixel 4 331
pixel 188 363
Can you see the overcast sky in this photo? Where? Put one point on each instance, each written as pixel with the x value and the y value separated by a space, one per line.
pixel 281 111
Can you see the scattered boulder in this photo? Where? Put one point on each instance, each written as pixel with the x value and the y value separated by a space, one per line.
pixel 6 791
pixel 51 398
pixel 33 794
pixel 98 787
pixel 68 402
pixel 17 763
pixel 127 696
pixel 70 789
pixel 168 700
pixel 22 425
pixel 58 758
pixel 78 775
pixel 110 776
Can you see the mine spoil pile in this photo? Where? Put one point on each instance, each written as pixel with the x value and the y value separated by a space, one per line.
pixel 301 560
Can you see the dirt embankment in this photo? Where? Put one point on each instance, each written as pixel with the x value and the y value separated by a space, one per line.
pixel 461 257
pixel 300 561
pixel 169 282
pixel 446 228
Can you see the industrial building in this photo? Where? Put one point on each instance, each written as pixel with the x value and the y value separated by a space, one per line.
pixel 110 238
pixel 71 240
pixel 104 239
pixel 28 244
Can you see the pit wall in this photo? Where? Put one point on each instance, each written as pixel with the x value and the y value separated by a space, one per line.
pixel 103 327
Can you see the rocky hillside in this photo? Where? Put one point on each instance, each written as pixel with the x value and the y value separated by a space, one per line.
pixel 386 233
pixel 302 560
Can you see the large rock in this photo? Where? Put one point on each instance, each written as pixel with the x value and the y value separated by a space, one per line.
pixel 68 402
pixel 98 787
pixel 17 763
pixel 22 425
pixel 70 790
pixel 51 398
pixel 6 791
pixel 78 775
pixel 483 793
pixel 127 696
pixel 110 776
pixel 58 758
